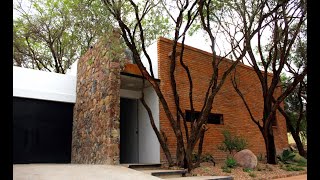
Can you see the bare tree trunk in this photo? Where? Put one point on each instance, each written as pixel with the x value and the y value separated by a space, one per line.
pixel 270 146
pixel 200 147
pixel 294 133
pixel 299 144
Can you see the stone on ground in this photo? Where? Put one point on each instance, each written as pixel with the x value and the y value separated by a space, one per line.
pixel 246 159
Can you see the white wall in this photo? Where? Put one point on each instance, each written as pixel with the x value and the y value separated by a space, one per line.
pixel 73 69
pixel 153 53
pixel 35 84
pixel 149 147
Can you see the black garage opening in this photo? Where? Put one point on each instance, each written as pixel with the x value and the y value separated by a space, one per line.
pixel 42 131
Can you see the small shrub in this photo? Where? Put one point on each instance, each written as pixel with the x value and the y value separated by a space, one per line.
pixel 226 169
pixel 260 157
pixel 300 160
pixel 208 158
pixel 302 164
pixel 204 158
pixel 291 167
pixel 194 157
pixel 232 143
pixel 286 157
pixel 247 170
pixel 260 167
pixel 251 174
pixel 230 162
pixel 268 167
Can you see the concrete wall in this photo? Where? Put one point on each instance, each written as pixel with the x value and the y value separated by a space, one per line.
pixel 149 147
pixel 35 84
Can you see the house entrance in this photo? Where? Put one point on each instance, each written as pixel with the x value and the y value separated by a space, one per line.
pixel 129 131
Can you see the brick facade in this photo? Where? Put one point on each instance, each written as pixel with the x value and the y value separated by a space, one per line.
pixel 227 102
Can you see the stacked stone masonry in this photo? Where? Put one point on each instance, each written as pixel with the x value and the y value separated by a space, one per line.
pixel 96 123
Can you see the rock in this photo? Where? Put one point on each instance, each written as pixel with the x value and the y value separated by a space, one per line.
pixel 246 159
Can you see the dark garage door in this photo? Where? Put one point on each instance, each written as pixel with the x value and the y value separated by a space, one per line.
pixel 42 131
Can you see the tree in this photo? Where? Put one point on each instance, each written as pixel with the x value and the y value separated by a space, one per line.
pixel 284 20
pixel 295 104
pixel 132 19
pixel 52 34
pixel 294 113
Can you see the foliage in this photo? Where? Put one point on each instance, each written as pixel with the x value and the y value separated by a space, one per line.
pixel 50 35
pixel 300 160
pixel 291 161
pixel 247 170
pixel 260 157
pixel 204 158
pixel 132 19
pixel 283 34
pixel 251 174
pixel 226 169
pixel 291 167
pixel 286 156
pixel 230 162
pixel 232 143
pixel 292 106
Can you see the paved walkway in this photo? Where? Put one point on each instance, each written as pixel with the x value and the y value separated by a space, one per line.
pixel 300 177
pixel 77 172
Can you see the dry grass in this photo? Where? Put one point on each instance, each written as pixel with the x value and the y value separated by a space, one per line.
pixel 262 171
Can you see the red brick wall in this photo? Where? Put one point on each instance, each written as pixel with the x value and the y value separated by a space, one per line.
pixel 227 102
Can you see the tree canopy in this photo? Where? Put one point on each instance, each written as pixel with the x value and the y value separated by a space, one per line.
pixel 50 35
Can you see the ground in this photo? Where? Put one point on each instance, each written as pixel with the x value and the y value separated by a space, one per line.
pixel 262 171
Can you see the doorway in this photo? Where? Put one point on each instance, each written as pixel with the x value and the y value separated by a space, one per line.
pixel 129 131
pixel 42 131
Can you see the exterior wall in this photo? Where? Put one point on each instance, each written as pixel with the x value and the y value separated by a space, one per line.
pixel 95 138
pixel 149 147
pixel 227 102
pixel 35 84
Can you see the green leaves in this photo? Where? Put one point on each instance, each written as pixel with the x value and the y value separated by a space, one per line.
pixel 232 143
pixel 54 33
pixel 286 156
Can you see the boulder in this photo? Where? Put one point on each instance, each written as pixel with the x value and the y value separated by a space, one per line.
pixel 246 159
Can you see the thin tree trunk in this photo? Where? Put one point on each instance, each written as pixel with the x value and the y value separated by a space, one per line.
pixel 200 147
pixel 188 159
pixel 299 144
pixel 270 146
pixel 294 133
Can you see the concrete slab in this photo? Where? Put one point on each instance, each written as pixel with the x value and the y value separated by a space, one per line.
pixel 160 171
pixel 204 178
pixel 300 177
pixel 77 172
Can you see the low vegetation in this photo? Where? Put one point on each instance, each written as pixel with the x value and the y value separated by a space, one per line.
pixel 291 161
pixel 232 143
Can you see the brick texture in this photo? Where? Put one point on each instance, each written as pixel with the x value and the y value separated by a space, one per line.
pixel 227 102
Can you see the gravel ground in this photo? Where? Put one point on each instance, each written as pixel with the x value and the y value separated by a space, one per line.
pixel 263 171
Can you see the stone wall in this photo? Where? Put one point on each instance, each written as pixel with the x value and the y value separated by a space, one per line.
pixel 96 122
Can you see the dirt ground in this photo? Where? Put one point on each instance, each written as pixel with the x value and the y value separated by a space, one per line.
pixel 262 171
